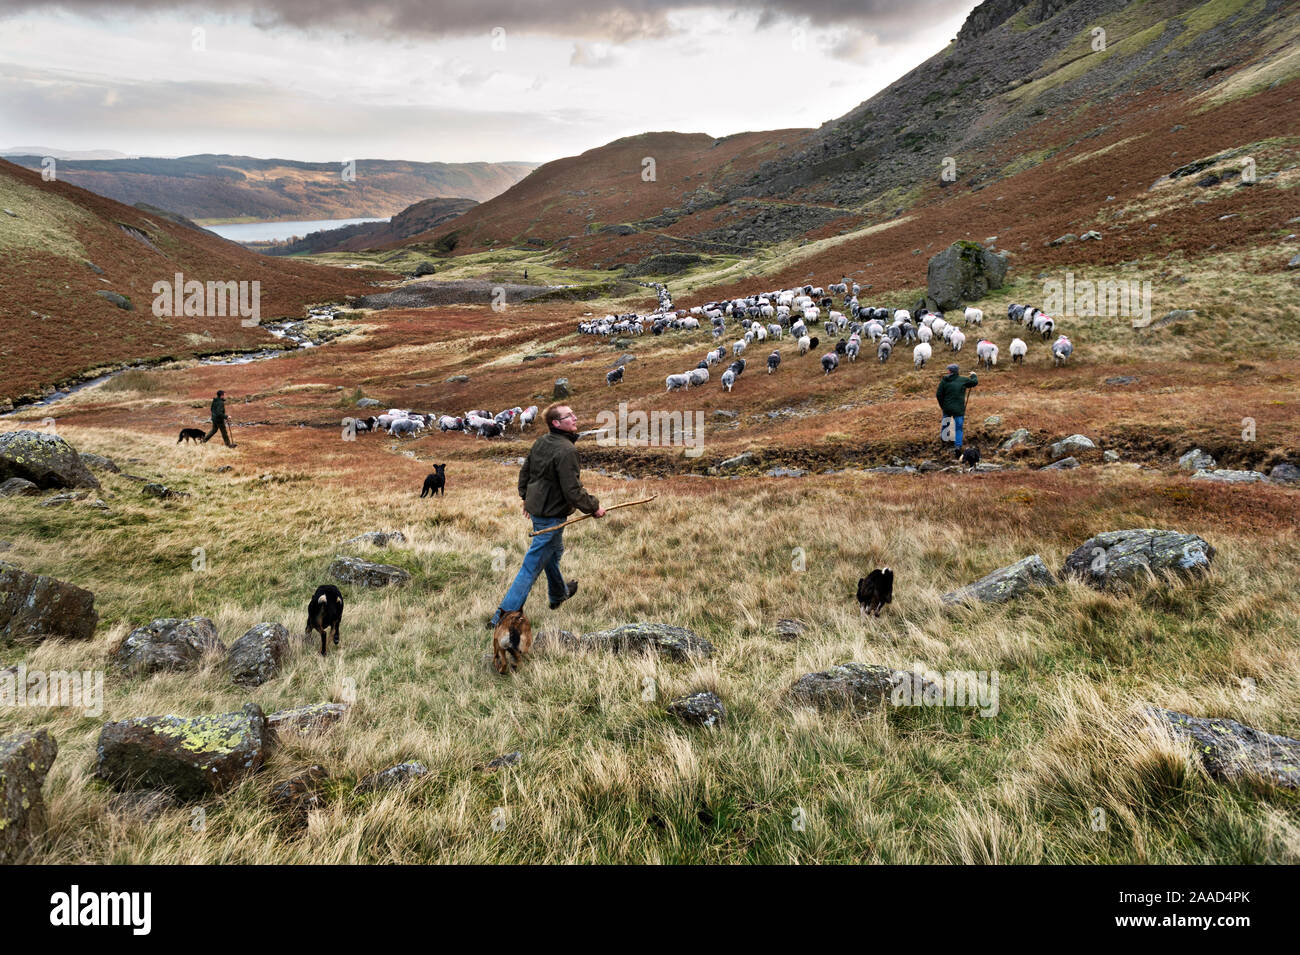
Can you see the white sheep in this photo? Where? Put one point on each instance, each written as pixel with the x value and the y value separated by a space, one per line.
pixel 696 377
pixel 527 417
pixel 924 333
pixel 956 339
pixel 1018 350
pixel 974 316
pixel 902 315
pixel 1061 350
pixel 677 382
pixel 987 353
pixel 728 379
pixel 921 354
pixel 738 347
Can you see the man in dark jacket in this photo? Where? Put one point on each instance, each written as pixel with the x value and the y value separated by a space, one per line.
pixel 952 400
pixel 551 489
pixel 219 420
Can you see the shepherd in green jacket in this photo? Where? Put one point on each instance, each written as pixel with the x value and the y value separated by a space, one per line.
pixel 551 488
pixel 952 400
pixel 219 420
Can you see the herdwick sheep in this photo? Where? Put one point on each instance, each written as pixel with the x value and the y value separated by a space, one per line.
pixel 728 379
pixel 924 334
pixel 448 423
pixel 921 354
pixel 403 426
pixel 677 382
pixel 853 347
pixel 1061 350
pixel 527 417
pixel 1018 350
pixel 974 316
pixel 491 429
pixel 830 361
pixel 987 353
pixel 775 331
pixel 738 348
pixel 696 377
pixel 615 376
pixel 902 315
pixel 773 361
pixel 883 350
pixel 957 339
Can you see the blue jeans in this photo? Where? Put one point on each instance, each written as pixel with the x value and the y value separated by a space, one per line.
pixel 543 554
pixel 956 427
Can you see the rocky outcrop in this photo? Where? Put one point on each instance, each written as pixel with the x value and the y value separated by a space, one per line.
pixel 363 573
pixel 44 459
pixel 1005 583
pixel 1230 477
pixel 255 657
pixel 394 776
pixel 24 761
pixel 1196 460
pixel 1232 752
pixel 168 643
pixel 1284 473
pixel 1016 439
pixel 963 272
pixel 699 709
pixel 34 607
pixel 190 757
pixel 1125 557
pixel 1071 445
pixel 677 643
pixel 857 687
pixel 306 720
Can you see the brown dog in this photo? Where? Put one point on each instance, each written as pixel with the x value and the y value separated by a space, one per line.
pixel 512 638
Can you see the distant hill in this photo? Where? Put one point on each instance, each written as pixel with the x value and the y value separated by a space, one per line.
pixel 215 187
pixel 413 220
pixel 63 153
pixel 1023 81
pixel 60 245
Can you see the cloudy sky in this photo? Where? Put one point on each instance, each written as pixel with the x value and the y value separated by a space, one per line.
pixel 449 80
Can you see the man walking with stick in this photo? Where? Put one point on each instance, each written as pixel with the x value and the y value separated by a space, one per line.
pixel 551 489
pixel 219 420
pixel 952 402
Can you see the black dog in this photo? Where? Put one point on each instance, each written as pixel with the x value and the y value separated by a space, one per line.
pixel 875 590
pixel 324 613
pixel 436 483
pixel 191 434
pixel 970 456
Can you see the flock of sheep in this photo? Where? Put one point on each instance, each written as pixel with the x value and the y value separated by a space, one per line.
pixel 768 315
pixel 401 422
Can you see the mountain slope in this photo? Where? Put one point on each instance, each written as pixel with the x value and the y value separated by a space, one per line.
pixel 214 187
pixel 413 220
pixel 60 245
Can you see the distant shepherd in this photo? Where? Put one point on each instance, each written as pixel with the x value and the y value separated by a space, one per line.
pixel 219 420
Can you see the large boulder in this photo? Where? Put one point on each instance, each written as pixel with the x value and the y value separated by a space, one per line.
pixel 677 643
pixel 963 272
pixel 1284 473
pixel 363 573
pixel 190 757
pixel 44 459
pixel 1071 445
pixel 24 761
pixel 1228 476
pixel 1005 583
pixel 19 487
pixel 34 607
pixel 255 657
pixel 168 643
pixel 1231 751
pixel 1016 439
pixel 858 687
pixel 1196 460
pixel 1124 557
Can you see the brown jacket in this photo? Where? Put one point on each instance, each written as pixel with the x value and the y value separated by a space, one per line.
pixel 549 481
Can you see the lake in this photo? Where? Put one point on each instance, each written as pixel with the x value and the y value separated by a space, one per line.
pixel 278 231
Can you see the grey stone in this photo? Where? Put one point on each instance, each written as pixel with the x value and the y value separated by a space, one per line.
pixel 189 757
pixel 1233 752
pixel 458 379
pixel 162 492
pixel 1284 473
pixel 1064 239
pixel 255 657
pixel 993 420
pixel 1196 460
pixel 306 720
pixel 44 459
pixel 724 413
pixel 1229 476
pixel 299 795
pixel 677 643
pixel 100 462
pixel 965 271
pixel 786 472
pixel 508 759
pixel 1110 456
pixel 787 629
pixel 1065 464
pixel 1018 437
pixel 1071 445
pixel 1090 236
pixel 363 573
pixel 1005 583
pixel 25 759
pixel 391 778
pixel 1114 558
pixel 378 538
pixel 19 487
pixel 121 301
pixel 857 687
pixel 701 709
pixel 739 461
pixel 1122 380
pixel 560 390
pixel 168 643
pixel 34 607
pixel 367 402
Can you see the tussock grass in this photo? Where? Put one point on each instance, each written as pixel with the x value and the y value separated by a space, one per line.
pixel 606 774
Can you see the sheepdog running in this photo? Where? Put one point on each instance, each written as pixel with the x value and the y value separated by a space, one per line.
pixel 512 638
pixel 325 613
pixel 875 590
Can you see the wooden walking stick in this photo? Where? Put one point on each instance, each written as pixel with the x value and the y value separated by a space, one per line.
pixel 575 520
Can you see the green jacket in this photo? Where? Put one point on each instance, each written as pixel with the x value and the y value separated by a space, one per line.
pixel 218 410
pixel 548 480
pixel 952 394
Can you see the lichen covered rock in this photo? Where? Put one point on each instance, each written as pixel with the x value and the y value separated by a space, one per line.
pixel 44 459
pixel 677 643
pixel 1125 557
pixel 24 760
pixel 255 657
pixel 363 573
pixel 701 709
pixel 1231 751
pixel 34 607
pixel 857 687
pixel 1005 583
pixel 168 643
